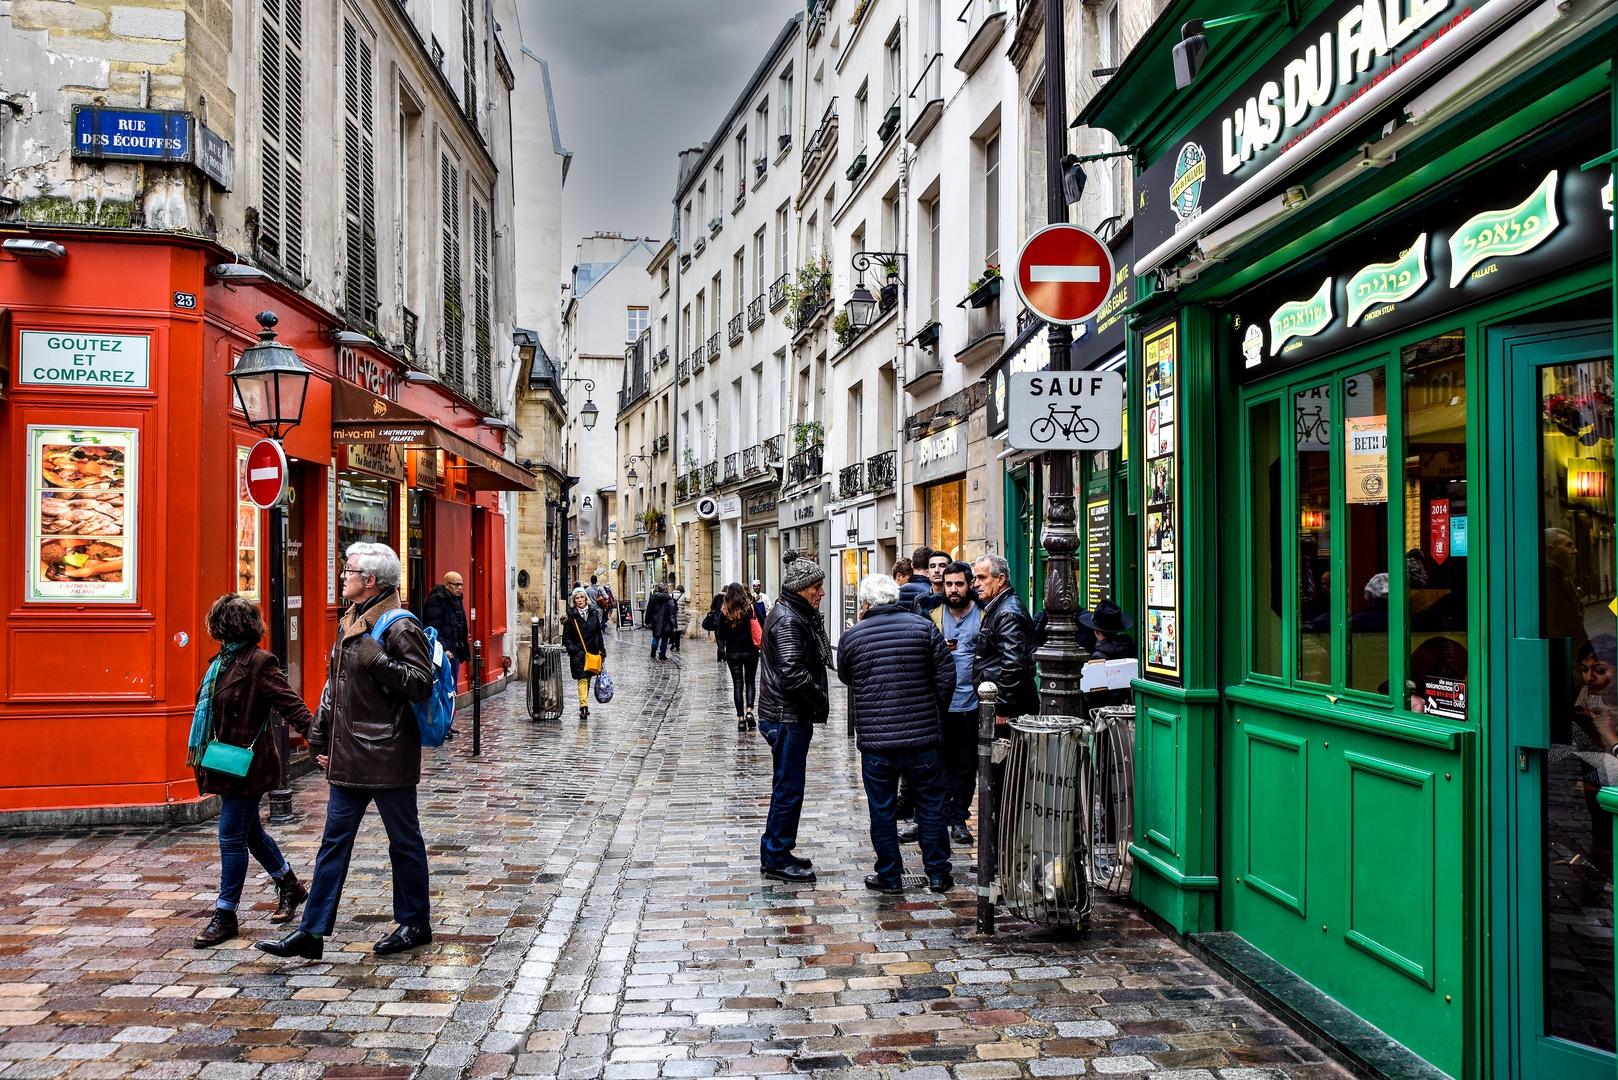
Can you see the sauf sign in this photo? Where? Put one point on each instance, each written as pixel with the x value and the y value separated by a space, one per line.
pixel 1065 410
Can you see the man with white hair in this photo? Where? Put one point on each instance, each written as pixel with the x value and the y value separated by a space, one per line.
pixel 365 737
pixel 900 677
pixel 1005 647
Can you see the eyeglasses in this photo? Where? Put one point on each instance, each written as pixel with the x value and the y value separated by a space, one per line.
pixel 350 570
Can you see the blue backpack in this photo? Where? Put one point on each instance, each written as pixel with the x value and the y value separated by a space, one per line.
pixel 433 716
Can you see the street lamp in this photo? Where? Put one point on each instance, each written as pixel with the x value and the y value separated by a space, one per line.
pixel 588 412
pixel 631 473
pixel 862 306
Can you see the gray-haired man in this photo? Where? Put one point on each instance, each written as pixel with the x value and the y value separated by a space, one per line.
pixel 1005 645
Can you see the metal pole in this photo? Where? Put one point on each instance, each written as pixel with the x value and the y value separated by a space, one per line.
pixel 988 812
pixel 281 797
pixel 1061 657
pixel 477 698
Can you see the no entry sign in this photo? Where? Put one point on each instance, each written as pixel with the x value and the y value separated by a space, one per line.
pixel 266 473
pixel 1064 274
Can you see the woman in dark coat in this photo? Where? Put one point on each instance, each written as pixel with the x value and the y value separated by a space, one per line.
pixel 733 626
pixel 242 685
pixel 663 620
pixel 581 633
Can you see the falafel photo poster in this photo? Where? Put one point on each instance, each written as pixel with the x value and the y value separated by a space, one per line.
pixel 82 515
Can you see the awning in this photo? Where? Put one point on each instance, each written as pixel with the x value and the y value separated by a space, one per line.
pixel 359 416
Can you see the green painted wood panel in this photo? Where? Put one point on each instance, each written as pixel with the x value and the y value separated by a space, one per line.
pixel 1277 783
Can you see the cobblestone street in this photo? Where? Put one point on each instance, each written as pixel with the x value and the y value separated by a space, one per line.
pixel 598 913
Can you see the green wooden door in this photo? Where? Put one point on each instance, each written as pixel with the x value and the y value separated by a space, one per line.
pixel 1559 694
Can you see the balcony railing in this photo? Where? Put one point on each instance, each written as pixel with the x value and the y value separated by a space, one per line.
pixel 848 481
pixel 818 297
pixel 881 471
pixel 662 357
pixel 755 312
pixel 699 357
pixel 713 346
pixel 750 462
pixel 685 369
pixel 822 142
pixel 804 467
pixel 733 468
pixel 683 488
pixel 778 292
pixel 772 449
pixel 710 477
pixel 985 20
pixel 736 328
pixel 817 20
pixel 927 100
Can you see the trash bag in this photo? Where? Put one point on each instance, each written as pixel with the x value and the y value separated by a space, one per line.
pixel 603 688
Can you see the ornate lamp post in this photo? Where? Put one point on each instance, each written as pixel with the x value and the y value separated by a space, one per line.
pixel 862 305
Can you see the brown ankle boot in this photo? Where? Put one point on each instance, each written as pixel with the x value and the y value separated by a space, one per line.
pixel 291 893
pixel 222 927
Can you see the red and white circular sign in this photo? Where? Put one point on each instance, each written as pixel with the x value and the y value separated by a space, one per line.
pixel 1064 274
pixel 266 473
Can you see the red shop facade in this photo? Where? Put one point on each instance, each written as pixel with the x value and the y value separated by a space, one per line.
pixel 124 463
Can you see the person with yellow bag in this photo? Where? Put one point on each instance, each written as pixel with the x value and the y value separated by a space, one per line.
pixel 585 643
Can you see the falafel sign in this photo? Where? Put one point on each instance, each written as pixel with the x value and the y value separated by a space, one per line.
pixel 81 515
pixel 98 361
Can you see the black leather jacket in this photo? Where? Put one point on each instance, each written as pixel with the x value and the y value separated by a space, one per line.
pixel 792 686
pixel 1005 656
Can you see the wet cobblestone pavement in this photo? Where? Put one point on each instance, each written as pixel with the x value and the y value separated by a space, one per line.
pixel 598 913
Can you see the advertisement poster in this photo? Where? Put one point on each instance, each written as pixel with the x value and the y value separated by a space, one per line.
pixel 247 549
pixel 1098 550
pixel 1162 494
pixel 1438 511
pixel 1365 438
pixel 82 515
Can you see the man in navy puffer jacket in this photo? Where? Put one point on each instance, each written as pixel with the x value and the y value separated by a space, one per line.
pixel 900 677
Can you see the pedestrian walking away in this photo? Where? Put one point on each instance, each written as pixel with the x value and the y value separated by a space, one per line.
pixel 662 620
pixel 243 683
pixel 738 628
pixel 793 697
pixel 586 645
pixel 901 678
pixel 682 609
pixel 445 612
pixel 366 737
pixel 711 622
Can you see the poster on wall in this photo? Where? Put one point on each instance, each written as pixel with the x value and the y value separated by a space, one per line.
pixel 82 515
pixel 247 533
pixel 1160 348
pixel 1098 550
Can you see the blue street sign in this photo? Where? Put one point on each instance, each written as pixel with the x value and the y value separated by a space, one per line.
pixel 131 134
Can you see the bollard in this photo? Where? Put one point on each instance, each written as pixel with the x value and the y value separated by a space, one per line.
pixel 477 698
pixel 988 811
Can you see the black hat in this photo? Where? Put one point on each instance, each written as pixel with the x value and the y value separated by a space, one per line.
pixel 1107 617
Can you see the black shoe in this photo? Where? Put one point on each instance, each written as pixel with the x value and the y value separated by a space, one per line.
pixel 940 882
pixel 796 861
pixel 741 723
pixel 404 939
pixel 290 893
pixel 910 834
pixel 797 874
pixel 222 927
pixel 584 713
pixel 298 943
pixel 876 884
pixel 961 836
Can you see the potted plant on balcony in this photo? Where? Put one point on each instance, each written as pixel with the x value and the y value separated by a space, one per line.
pixel 859 13
pixel 983 291
pixel 803 291
pixel 808 435
pixel 844 328
pixel 653 520
pixel 760 163
pixel 692 467
pixel 927 336
pixel 890 123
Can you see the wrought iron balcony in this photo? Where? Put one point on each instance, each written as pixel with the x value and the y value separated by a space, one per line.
pixel 881 470
pixel 735 327
pixel 685 369
pixel 662 357
pixel 822 143
pixel 713 346
pixel 772 449
pixel 819 296
pixel 752 464
pixel 755 312
pixel 848 481
pixel 699 357
pixel 683 488
pixel 778 292
pixel 710 477
pixel 804 467
pixel 733 470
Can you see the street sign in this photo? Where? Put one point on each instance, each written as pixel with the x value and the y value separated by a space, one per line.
pixel 1065 410
pixel 266 473
pixel 1064 274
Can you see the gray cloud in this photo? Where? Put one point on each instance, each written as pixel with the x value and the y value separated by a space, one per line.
pixel 636 81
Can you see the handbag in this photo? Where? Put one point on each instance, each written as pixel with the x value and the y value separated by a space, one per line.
pixel 603 688
pixel 758 632
pixel 708 623
pixel 228 758
pixel 592 662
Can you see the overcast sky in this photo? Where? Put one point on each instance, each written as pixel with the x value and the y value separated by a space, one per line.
pixel 636 81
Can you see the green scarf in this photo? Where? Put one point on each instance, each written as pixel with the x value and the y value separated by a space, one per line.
pixel 202 718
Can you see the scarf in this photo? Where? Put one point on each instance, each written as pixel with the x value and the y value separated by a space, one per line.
pixel 202 718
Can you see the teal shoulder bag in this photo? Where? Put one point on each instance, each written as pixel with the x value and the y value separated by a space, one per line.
pixel 228 758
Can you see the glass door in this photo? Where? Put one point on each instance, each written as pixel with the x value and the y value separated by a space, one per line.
pixel 1561 696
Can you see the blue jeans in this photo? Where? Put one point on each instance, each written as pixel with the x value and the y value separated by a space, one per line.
pixel 789 745
pixel 924 778
pixel 241 832
pixel 345 807
pixel 660 646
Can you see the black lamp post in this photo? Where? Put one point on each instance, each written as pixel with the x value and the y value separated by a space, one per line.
pixel 862 305
pixel 271 384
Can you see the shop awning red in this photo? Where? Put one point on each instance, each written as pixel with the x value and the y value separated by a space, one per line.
pixel 359 416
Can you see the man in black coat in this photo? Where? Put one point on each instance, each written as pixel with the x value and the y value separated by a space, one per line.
pixel 445 612
pixel 1005 646
pixel 900 677
pixel 662 619
pixel 911 574
pixel 792 698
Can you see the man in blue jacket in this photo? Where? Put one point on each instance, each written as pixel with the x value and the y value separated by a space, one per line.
pixel 900 677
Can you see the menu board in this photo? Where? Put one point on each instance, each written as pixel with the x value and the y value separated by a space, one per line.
pixel 1098 549
pixel 248 557
pixel 1161 368
pixel 82 515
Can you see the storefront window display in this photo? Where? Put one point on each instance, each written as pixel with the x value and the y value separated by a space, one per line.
pixel 364 511
pixel 247 532
pixel 82 517
pixel 946 505
pixel 856 564
pixel 1365 471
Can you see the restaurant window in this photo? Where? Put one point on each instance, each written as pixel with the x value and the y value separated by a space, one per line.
pixel 946 504
pixel 364 512
pixel 1312 433
pixel 1264 493
pixel 1364 443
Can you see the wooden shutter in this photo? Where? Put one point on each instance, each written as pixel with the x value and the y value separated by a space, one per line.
pixel 359 177
pixel 454 305
pixel 469 61
pixel 280 234
pixel 482 327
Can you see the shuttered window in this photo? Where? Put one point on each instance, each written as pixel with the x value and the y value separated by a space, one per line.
pixel 482 311
pixel 359 176
pixel 454 327
pixel 280 226
pixel 469 60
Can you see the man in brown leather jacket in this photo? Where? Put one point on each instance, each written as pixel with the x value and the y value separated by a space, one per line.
pixel 365 737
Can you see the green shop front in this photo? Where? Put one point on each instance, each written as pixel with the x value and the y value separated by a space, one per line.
pixel 1373 491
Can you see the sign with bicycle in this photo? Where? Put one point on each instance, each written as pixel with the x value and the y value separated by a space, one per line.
pixel 1065 410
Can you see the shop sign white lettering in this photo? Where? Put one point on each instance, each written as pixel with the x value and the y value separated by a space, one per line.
pixel 941 454
pixel 1065 410
pixel 369 372
pixel 100 361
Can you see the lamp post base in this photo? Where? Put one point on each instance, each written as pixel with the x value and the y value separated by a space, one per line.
pixel 281 806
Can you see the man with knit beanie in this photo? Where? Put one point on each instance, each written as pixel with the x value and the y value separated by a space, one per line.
pixel 792 698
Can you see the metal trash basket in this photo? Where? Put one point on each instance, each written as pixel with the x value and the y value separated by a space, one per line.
pixel 1113 797
pixel 545 682
pixel 1044 821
